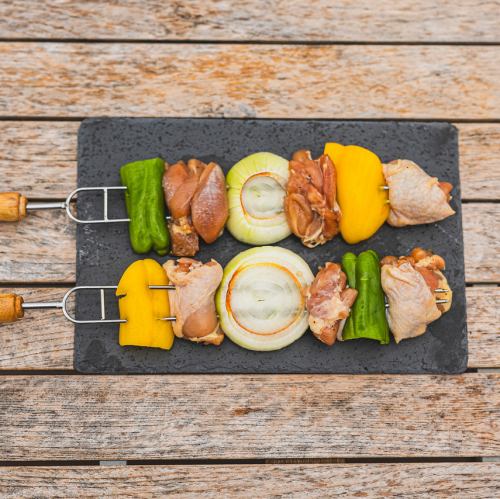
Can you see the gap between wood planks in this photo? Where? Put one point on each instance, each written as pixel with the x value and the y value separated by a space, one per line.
pixel 316 43
pixel 72 372
pixel 241 480
pixel 78 119
pixel 219 462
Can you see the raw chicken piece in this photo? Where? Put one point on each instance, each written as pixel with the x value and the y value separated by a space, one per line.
pixel 310 203
pixel 411 303
pixel 209 207
pixel 415 197
pixel 183 237
pixel 180 183
pixel 192 301
pixel 329 303
pixel 197 201
pixel 409 284
pixel 196 198
pixel 430 266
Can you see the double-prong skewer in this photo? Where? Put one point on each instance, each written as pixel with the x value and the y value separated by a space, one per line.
pixel 12 306
pixel 441 290
pixel 14 206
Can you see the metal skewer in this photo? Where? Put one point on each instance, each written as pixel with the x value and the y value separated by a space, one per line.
pixel 66 205
pixel 63 305
pixel 437 290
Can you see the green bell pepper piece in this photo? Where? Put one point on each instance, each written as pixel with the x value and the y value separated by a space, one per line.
pixel 349 267
pixel 146 205
pixel 368 318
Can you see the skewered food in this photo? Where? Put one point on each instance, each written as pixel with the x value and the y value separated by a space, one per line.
pixel 261 300
pixel 257 186
pixel 364 205
pixel 185 241
pixel 368 318
pixel 431 266
pixel 329 303
pixel 145 205
pixel 192 300
pixel 209 208
pixel 196 198
pixel 410 284
pixel 415 197
pixel 179 183
pixel 411 303
pixel 142 307
pixel 310 203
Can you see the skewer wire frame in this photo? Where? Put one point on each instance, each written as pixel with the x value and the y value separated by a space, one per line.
pixel 102 306
pixel 63 305
pixel 105 219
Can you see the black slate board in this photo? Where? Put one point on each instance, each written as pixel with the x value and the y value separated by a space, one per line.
pixel 103 251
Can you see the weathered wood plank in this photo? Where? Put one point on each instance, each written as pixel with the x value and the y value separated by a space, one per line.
pixel 318 20
pixel 483 319
pixel 41 248
pixel 236 417
pixel 30 254
pixel 415 480
pixel 481 226
pixel 297 81
pixel 44 339
pixel 479 164
pixel 38 158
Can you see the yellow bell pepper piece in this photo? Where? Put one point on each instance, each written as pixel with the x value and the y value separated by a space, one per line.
pixel 364 206
pixel 141 307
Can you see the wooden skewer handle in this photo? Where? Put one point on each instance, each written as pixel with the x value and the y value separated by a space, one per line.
pixel 12 206
pixel 11 307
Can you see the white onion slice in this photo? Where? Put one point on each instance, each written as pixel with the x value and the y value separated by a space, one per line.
pixel 256 191
pixel 261 299
pixel 262 196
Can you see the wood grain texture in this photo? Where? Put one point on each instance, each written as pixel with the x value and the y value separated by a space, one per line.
pixel 483 323
pixel 30 254
pixel 298 81
pixel 38 159
pixel 41 248
pixel 479 163
pixel 242 417
pixel 43 340
pixel 318 20
pixel 415 480
pixel 481 226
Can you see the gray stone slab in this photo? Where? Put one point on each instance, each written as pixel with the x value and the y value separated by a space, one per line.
pixel 103 251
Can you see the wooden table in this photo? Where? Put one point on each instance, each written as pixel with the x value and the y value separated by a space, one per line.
pixel 241 435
